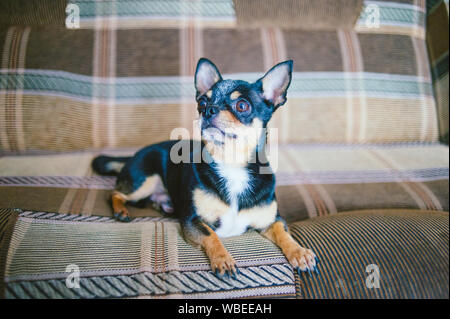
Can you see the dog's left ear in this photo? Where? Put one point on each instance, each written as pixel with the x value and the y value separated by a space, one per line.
pixel 275 82
pixel 206 75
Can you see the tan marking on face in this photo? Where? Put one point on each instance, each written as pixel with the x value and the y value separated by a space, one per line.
pixel 146 189
pixel 209 206
pixel 235 95
pixel 209 93
pixel 227 119
pixel 260 217
pixel 235 150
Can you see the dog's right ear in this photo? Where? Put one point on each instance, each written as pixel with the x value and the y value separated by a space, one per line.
pixel 275 82
pixel 206 75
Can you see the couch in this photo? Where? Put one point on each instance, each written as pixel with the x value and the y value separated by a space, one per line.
pixel 362 161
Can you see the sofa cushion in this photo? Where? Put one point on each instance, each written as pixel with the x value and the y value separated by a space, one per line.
pixel 312 180
pixel 438 44
pixel 407 250
pixel 145 258
pixel 366 254
pixel 302 14
pixel 127 82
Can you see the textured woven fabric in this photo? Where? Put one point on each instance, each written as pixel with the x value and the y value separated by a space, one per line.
pixel 302 14
pixel 148 258
pixel 408 250
pixel 112 85
pixel 311 180
pixel 35 13
pixel 437 41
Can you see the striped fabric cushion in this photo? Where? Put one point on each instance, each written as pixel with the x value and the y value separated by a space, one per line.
pixel 408 250
pixel 437 42
pixel 124 79
pixel 147 258
pixel 312 180
pixel 372 254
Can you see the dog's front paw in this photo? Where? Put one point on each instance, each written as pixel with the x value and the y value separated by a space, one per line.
pixel 302 259
pixel 223 264
pixel 123 216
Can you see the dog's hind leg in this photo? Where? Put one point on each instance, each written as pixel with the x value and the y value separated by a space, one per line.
pixel 120 211
pixel 119 198
pixel 161 201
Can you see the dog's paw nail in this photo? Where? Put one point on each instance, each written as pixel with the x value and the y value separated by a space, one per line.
pixel 120 217
pixel 308 270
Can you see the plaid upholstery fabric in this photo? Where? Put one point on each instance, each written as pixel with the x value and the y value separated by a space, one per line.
pixel 437 41
pixel 303 14
pixel 116 84
pixel 138 264
pixel 360 131
pixel 315 180
pixel 35 13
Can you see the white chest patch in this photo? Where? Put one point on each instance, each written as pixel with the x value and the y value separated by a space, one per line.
pixel 236 179
pixel 232 221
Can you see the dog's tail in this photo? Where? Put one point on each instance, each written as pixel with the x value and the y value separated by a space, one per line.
pixel 108 165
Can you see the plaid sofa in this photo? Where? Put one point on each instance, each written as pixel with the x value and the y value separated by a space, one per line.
pixel 362 167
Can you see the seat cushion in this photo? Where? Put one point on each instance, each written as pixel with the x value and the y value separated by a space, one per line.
pixel 144 258
pixel 364 254
pixel 314 180
pixel 407 250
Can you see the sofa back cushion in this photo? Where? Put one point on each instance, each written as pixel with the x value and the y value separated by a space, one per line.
pixel 437 43
pixel 124 78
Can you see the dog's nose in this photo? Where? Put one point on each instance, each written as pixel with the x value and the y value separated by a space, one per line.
pixel 210 111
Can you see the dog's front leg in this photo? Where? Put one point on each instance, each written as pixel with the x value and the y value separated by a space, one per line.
pixel 200 234
pixel 301 259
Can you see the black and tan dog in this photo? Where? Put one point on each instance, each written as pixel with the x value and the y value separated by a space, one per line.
pixel 221 193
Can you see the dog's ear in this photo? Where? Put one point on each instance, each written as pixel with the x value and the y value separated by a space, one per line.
pixel 206 75
pixel 275 82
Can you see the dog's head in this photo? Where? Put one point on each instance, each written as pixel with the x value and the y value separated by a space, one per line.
pixel 234 113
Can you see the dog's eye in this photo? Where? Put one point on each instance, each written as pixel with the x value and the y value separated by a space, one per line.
pixel 242 106
pixel 202 104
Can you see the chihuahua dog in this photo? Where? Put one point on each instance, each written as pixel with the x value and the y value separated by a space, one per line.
pixel 219 195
